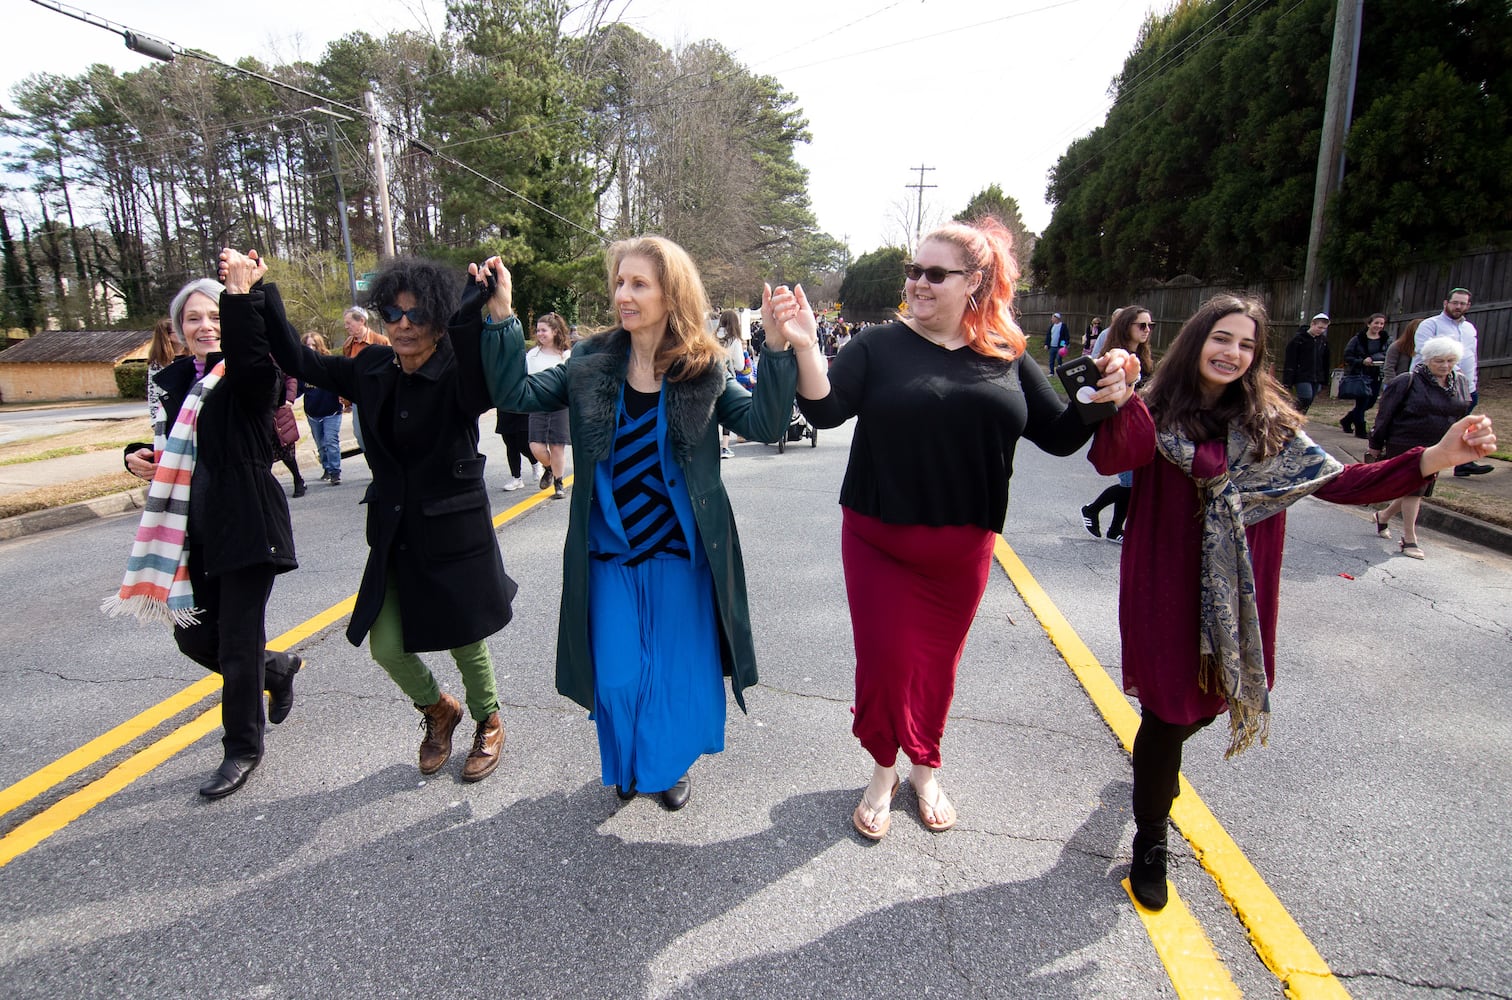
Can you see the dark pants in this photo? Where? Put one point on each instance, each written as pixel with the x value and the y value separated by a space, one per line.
pixel 514 429
pixel 230 639
pixel 1357 415
pixel 1305 392
pixel 1117 495
pixel 1157 768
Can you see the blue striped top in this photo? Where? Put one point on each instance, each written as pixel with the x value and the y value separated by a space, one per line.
pixel 640 487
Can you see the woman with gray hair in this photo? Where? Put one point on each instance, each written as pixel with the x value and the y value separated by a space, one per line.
pixel 215 530
pixel 1416 409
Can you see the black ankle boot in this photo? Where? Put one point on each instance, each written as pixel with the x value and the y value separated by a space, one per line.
pixel 1147 874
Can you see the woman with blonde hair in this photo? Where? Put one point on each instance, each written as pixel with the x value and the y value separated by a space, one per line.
pixel 920 519
pixel 653 606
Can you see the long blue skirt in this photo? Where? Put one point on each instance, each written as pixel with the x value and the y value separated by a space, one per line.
pixel 659 698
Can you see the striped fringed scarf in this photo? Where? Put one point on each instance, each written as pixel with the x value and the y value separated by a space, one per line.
pixel 156 587
pixel 1247 492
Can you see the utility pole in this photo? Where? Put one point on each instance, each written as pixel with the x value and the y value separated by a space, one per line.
pixel 385 217
pixel 919 212
pixel 341 208
pixel 1337 110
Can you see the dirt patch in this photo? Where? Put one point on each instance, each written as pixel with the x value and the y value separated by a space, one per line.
pixel 46 497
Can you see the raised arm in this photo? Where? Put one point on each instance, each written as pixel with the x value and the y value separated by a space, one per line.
pixel 250 372
pixel 501 352
pixel 328 371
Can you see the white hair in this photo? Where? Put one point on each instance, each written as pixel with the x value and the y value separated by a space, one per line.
pixel 208 287
pixel 1442 347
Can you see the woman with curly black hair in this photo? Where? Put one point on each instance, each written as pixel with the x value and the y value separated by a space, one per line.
pixel 434 579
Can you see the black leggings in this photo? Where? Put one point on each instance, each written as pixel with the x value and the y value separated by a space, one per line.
pixel 517 447
pixel 1157 768
pixel 1118 496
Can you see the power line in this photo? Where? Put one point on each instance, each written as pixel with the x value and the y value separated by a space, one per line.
pixel 167 50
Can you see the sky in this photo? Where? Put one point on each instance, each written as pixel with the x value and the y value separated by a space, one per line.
pixel 980 91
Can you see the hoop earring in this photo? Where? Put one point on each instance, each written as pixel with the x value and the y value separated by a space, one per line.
pixel 971 298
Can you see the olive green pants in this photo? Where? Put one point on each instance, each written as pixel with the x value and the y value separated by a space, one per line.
pixel 386 644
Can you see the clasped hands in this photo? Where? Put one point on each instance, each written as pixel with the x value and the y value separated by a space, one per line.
pixel 501 300
pixel 240 271
pixel 789 321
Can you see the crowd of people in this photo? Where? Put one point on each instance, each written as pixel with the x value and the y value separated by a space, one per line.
pixel 1209 448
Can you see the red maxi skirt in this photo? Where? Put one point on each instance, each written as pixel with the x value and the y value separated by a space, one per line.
pixel 913 591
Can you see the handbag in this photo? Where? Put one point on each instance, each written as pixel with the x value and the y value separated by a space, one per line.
pixel 1355 386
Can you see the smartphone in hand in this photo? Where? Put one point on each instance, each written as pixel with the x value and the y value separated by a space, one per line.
pixel 1080 376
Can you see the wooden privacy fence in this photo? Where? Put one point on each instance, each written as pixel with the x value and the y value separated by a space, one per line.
pixel 1417 292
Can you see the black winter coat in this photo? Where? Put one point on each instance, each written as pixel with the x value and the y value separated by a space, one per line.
pixel 1306 360
pixel 1417 411
pixel 429 523
pixel 238 515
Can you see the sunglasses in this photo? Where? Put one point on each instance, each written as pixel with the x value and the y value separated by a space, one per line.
pixel 936 275
pixel 392 314
pixel 1143 326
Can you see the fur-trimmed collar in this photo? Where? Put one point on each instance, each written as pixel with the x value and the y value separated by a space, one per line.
pixel 598 370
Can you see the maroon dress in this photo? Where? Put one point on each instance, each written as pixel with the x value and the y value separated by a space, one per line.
pixel 1159 606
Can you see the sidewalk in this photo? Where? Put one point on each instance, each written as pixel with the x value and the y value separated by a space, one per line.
pixel 1348 448
pixel 72 468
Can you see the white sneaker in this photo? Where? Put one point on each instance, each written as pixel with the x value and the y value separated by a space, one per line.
pixel 726 453
pixel 535 470
pixel 513 484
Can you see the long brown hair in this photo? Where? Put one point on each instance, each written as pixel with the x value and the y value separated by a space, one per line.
pixel 687 349
pixel 986 245
pixel 1255 401
pixel 1120 334
pixel 1407 342
pixel 165 344
pixel 320 346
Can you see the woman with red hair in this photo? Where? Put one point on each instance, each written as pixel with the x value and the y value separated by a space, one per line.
pixel 920 519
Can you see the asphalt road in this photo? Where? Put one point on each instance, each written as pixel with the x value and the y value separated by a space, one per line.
pixel 18 425
pixel 1379 814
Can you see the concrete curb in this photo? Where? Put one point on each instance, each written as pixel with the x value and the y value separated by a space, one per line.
pixel 1465 527
pixel 75 513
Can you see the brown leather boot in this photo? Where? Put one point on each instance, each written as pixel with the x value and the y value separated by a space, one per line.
pixel 488 747
pixel 440 721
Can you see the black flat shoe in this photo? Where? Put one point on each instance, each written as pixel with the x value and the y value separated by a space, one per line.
pixel 281 692
pixel 230 776
pixel 678 795
pixel 624 794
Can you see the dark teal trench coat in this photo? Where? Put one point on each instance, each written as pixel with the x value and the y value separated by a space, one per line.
pixel 589 385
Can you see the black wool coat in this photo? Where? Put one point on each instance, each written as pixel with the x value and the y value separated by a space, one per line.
pixel 238 514
pixel 429 523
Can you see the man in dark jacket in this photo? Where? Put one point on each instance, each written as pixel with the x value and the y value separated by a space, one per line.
pixel 1307 368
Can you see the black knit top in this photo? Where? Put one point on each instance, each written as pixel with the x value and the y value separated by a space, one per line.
pixel 937 429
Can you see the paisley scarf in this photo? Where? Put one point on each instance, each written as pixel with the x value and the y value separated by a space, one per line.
pixel 1249 491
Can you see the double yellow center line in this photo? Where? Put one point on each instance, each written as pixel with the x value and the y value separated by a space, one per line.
pixel 55 817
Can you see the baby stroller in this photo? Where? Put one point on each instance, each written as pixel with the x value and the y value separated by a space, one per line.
pixel 798 429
